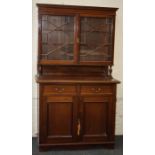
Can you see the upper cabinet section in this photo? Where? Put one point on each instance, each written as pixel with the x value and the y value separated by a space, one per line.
pixel 76 35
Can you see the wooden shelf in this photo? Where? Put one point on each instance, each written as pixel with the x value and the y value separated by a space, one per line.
pixel 77 79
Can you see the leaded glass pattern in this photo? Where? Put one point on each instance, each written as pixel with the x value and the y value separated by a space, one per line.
pixel 96 39
pixel 57 37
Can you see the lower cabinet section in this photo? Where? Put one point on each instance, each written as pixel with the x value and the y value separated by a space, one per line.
pixel 72 118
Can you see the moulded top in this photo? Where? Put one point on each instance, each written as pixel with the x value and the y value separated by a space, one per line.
pixel 77 7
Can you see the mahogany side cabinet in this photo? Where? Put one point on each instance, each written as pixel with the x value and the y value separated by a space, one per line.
pixel 77 93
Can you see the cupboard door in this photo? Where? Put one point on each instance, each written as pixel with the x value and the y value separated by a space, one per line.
pixel 57 39
pixel 96 118
pixel 96 40
pixel 58 114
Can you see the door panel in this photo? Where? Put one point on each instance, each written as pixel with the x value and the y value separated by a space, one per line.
pixel 95 117
pixel 59 118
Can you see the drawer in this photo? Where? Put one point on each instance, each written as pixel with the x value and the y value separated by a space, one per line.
pixel 58 89
pixel 106 89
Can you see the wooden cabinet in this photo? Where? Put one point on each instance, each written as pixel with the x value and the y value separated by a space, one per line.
pixel 77 93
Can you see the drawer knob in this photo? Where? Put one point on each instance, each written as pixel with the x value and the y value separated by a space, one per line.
pixel 59 89
pixel 96 89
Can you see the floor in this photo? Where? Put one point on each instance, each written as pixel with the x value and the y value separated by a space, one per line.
pixel 117 151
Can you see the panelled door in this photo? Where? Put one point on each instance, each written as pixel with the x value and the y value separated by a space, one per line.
pixel 58 119
pixel 96 118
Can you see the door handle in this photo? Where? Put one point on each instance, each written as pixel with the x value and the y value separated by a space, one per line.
pixel 78 127
pixel 78 40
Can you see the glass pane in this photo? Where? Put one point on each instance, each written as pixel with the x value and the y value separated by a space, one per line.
pixel 96 39
pixel 57 37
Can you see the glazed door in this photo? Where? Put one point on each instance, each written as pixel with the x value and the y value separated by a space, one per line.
pixel 58 119
pixel 96 118
pixel 70 39
pixel 96 40
pixel 57 39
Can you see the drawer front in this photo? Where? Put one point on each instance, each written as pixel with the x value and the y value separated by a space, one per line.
pixel 58 89
pixel 106 89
